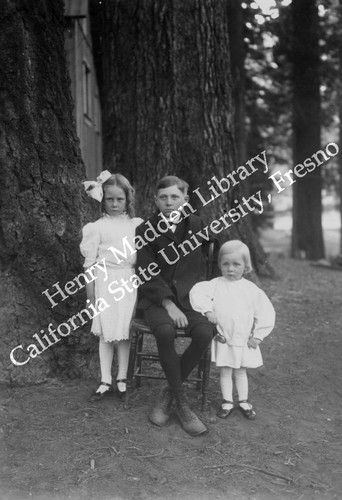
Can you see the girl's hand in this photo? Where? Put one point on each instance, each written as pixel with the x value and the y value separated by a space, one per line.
pixel 90 290
pixel 211 316
pixel 91 296
pixel 91 299
pixel 253 343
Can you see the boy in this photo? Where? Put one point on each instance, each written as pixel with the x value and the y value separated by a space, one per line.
pixel 164 299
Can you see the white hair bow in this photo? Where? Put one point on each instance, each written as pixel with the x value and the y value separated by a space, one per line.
pixel 94 188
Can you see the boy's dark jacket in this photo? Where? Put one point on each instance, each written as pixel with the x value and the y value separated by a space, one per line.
pixel 174 280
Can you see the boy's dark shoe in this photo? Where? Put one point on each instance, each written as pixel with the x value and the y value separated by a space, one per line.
pixel 161 412
pixel 189 420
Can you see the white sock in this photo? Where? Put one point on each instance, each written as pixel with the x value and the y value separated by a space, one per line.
pixel 106 353
pixel 241 382
pixel 123 357
pixel 226 383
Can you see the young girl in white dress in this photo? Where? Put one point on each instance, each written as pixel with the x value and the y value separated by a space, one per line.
pixel 116 223
pixel 243 316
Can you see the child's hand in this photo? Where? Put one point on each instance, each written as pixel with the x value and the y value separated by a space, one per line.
pixel 90 290
pixel 211 316
pixel 91 297
pixel 253 343
pixel 220 338
pixel 181 321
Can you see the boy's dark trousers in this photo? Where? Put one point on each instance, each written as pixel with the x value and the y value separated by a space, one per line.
pixel 201 331
pixel 179 270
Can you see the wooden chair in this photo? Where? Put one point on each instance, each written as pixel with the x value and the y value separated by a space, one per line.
pixel 138 356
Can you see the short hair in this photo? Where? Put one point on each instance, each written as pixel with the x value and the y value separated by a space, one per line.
pixel 120 181
pixel 237 246
pixel 172 180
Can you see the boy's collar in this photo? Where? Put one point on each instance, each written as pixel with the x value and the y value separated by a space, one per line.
pixel 173 220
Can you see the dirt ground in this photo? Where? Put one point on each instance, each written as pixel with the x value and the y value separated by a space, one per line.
pixel 57 445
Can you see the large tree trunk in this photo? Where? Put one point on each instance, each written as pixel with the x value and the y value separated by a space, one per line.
pixel 167 99
pixel 307 236
pixel 340 159
pixel 340 115
pixel 41 197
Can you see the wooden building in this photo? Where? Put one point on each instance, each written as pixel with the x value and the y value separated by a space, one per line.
pixel 84 88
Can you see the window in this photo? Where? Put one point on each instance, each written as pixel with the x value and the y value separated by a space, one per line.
pixel 97 114
pixel 86 85
pixel 84 26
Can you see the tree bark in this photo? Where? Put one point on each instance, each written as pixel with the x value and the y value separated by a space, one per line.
pixel 42 205
pixel 168 102
pixel 339 93
pixel 307 235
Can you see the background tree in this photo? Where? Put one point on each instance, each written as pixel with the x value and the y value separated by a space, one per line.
pixel 307 233
pixel 41 199
pixel 331 95
pixel 236 30
pixel 263 97
pixel 269 88
pixel 167 98
pixel 260 93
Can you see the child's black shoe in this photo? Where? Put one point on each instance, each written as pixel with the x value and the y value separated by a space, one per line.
pixel 247 412
pixel 226 409
pixel 121 387
pixel 99 395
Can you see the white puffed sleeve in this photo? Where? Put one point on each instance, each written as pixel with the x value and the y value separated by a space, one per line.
pixel 90 243
pixel 264 316
pixel 201 296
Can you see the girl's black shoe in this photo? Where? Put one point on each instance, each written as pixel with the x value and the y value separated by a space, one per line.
pixel 98 396
pixel 121 387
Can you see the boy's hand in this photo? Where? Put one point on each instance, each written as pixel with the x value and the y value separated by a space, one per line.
pixel 181 321
pixel 211 316
pixel 253 343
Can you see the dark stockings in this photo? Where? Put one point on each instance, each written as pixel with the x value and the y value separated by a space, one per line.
pixel 178 369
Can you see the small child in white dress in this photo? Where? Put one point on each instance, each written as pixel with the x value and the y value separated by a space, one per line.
pixel 243 316
pixel 116 224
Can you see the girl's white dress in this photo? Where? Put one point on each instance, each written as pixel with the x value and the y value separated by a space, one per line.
pixel 242 310
pixel 114 321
